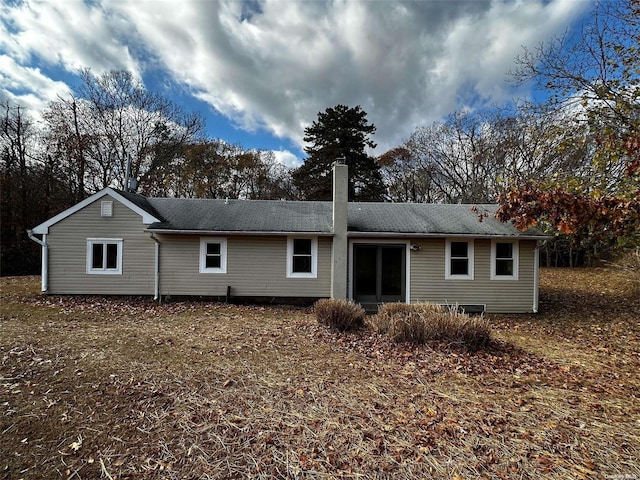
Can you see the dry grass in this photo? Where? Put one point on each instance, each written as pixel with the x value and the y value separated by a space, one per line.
pixel 422 323
pixel 112 388
pixel 342 315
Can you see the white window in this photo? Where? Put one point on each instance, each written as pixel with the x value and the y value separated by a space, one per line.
pixel 504 260
pixel 104 256
pixel 106 208
pixel 213 255
pixel 459 259
pixel 302 257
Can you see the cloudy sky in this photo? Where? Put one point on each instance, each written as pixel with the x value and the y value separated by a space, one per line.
pixel 261 70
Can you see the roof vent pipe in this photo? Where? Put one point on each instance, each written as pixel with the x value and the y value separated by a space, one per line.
pixel 127 174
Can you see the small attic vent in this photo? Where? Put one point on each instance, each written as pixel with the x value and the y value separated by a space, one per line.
pixel 106 209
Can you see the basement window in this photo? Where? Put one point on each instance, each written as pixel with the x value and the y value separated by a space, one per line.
pixel 302 257
pixel 104 256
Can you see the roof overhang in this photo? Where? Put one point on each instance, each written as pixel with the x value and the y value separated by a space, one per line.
pixel 349 234
pixel 444 235
pixel 147 218
pixel 236 232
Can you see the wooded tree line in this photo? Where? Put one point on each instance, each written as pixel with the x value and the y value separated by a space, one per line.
pixel 83 143
pixel 569 164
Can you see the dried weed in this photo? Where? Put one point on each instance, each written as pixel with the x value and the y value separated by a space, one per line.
pixel 114 388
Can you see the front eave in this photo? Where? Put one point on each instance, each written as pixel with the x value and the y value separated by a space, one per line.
pixel 166 231
pixel 352 234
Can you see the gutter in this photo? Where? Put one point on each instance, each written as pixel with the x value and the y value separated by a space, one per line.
pixel 236 232
pixel 536 277
pixel 45 258
pixel 156 288
pixel 353 234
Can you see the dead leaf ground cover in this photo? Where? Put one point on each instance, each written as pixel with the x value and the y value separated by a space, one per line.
pixel 125 388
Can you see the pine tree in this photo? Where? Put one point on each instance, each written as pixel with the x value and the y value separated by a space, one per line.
pixel 340 133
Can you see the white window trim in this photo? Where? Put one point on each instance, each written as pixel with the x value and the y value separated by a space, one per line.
pixel 103 271
pixel 470 257
pixel 516 256
pixel 407 244
pixel 203 254
pixel 314 258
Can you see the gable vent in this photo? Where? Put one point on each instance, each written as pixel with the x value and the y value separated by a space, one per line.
pixel 106 209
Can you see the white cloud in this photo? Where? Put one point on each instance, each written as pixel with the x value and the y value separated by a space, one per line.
pixel 275 64
pixel 404 63
pixel 28 87
pixel 286 158
pixel 71 34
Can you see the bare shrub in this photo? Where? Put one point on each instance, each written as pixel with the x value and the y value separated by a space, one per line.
pixel 424 322
pixel 381 323
pixel 338 314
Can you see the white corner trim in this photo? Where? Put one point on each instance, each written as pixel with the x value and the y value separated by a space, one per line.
pixel 147 218
pixel 536 277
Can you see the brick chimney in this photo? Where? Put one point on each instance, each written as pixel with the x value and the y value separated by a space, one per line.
pixel 339 247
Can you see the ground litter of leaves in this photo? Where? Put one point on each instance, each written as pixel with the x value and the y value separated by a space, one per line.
pixel 125 388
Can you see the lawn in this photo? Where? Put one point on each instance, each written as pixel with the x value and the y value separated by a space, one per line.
pixel 113 388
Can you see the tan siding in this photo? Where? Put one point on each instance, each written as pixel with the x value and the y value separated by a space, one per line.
pixel 256 266
pixel 67 241
pixel 428 279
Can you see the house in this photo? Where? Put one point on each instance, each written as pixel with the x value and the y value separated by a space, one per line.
pixel 121 243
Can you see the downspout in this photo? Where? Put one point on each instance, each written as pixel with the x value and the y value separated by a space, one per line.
pixel 156 289
pixel 45 258
pixel 536 276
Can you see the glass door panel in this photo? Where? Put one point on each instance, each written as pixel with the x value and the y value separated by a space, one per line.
pixel 392 273
pixel 379 273
pixel 365 266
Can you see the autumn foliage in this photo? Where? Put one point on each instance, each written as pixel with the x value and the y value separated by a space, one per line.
pixel 592 80
pixel 569 212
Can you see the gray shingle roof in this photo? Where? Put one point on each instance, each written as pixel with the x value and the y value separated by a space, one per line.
pixel 140 201
pixel 242 215
pixel 429 219
pixel 208 215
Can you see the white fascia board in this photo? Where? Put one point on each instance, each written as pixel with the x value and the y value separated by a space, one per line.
pixel 238 233
pixel 443 235
pixel 147 218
